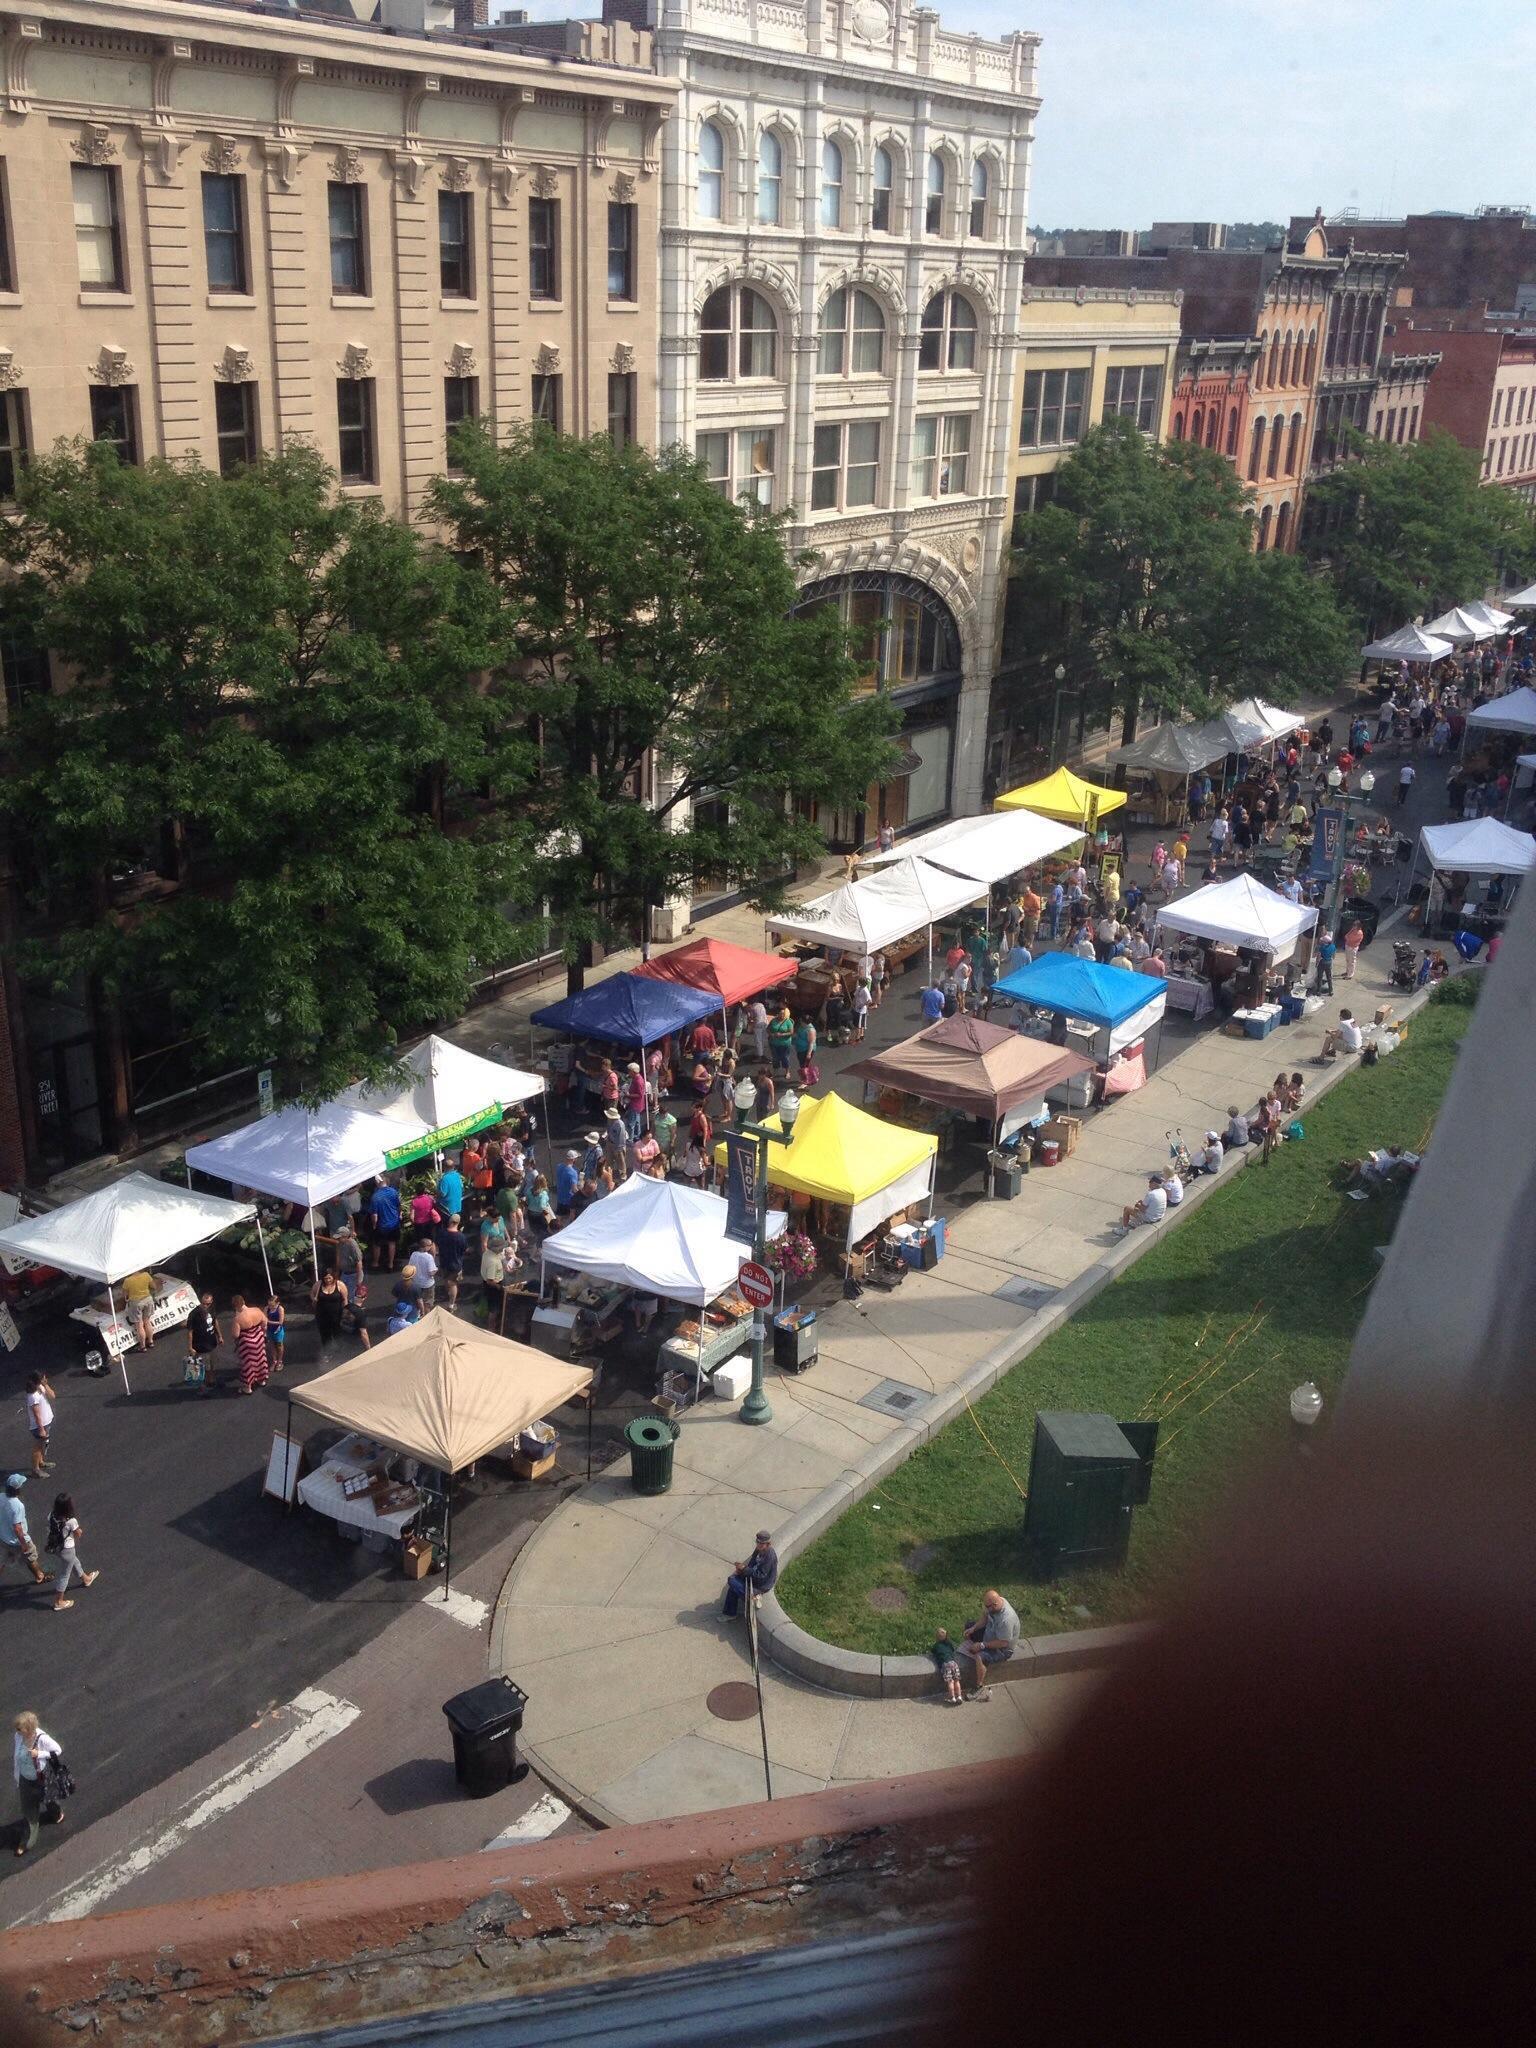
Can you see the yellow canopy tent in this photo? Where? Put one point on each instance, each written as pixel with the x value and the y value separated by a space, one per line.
pixel 842 1154
pixel 1063 795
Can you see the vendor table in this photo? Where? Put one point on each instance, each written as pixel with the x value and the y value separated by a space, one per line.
pixel 322 1491
pixel 1188 993
pixel 174 1302
pixel 684 1354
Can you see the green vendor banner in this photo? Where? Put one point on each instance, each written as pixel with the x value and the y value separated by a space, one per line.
pixel 440 1140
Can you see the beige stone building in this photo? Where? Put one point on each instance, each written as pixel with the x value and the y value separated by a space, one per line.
pixel 226 231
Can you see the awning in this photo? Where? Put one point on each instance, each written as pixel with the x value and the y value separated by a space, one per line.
pixel 1247 724
pixel 862 917
pixel 443 1391
pixel 656 1235
pixel 1069 987
pixel 1241 912
pixel 627 1009
pixel 451 1093
pixel 1477 846
pixel 844 1155
pixel 133 1226
pixel 1460 626
pixel 1171 750
pixel 1515 712
pixel 1409 643
pixel 302 1155
pixel 1063 795
pixel 970 1064
pixel 986 849
pixel 729 973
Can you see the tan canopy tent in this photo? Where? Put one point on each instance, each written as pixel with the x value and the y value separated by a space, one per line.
pixel 443 1391
pixel 971 1064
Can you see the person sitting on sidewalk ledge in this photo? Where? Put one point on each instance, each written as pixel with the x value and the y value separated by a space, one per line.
pixel 1344 1037
pixel 757 1576
pixel 991 1641
pixel 1152 1207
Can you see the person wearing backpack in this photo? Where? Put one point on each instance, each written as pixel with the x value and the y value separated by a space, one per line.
pixel 64 1533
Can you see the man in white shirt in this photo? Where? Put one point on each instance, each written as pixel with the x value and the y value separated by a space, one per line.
pixel 1405 779
pixel 1152 1207
pixel 1344 1037
pixel 1085 949
pixel 1210 1160
pixel 1291 890
pixel 40 1398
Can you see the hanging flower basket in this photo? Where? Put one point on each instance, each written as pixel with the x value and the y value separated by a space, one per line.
pixel 793 1255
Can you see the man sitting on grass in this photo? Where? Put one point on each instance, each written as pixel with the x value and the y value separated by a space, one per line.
pixel 1152 1207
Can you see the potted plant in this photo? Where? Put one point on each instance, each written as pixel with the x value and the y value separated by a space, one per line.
pixel 793 1255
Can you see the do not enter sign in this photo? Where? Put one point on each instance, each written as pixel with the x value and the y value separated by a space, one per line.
pixel 756 1283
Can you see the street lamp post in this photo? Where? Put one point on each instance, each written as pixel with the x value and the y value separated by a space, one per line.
pixel 1061 676
pixel 755 1407
pixel 1346 804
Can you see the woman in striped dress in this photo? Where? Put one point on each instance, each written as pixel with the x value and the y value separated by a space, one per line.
pixel 250 1328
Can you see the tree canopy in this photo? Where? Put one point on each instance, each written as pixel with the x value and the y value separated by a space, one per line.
pixel 1140 580
pixel 682 711
pixel 1407 531
pixel 253 797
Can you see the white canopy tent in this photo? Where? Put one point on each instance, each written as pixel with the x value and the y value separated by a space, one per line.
pixel 1515 712
pixel 130 1227
pixel 1523 600
pixel 1478 846
pixel 986 849
pixel 1247 724
pixel 656 1235
pixel 1409 643
pixel 863 917
pixel 1171 749
pixel 1241 912
pixel 1459 625
pixel 448 1093
pixel 300 1155
pixel 1489 614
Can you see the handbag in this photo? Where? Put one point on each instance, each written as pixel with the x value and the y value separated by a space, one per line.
pixel 57 1781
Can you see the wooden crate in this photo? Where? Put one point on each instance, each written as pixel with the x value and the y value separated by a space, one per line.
pixel 1066 1130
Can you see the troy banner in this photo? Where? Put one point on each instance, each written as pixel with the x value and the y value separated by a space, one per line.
pixel 1325 841
pixel 740 1188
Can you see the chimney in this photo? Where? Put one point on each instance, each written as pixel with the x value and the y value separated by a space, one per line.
pixel 468 14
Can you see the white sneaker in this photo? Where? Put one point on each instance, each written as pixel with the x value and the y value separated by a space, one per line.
pixel 984 1694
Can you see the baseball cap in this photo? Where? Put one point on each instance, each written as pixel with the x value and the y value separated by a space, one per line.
pixel 16 1479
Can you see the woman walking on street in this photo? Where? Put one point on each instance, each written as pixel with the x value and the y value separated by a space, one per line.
pixel 329 1297
pixel 64 1533
pixel 32 1752
pixel 250 1328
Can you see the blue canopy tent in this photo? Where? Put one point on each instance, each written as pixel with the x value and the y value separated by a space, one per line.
pixel 1121 1005
pixel 628 1009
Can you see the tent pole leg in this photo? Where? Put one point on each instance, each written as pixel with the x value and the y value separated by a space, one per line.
pixel 290 1487
pixel 314 1247
pixel 591 1404
pixel 448 1536
pixel 122 1356
pixel 261 1239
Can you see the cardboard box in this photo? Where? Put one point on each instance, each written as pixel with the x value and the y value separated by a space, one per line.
pixel 416 1557
pixel 1066 1130
pixel 532 1468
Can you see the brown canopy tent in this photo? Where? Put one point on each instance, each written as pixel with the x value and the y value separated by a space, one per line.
pixel 444 1392
pixel 968 1064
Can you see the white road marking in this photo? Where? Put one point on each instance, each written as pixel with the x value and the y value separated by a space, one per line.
pixel 312 1718
pixel 463 1608
pixel 541 1819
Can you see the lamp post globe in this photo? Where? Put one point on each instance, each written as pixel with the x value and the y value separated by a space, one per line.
pixel 1367 783
pixel 744 1095
pixel 789 1108
pixel 1335 777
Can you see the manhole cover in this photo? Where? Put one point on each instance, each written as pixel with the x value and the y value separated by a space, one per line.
pixel 886 1599
pixel 734 1701
pixel 893 1397
pixel 920 1557
pixel 1029 1295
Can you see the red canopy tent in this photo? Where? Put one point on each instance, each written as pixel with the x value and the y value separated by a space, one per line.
pixel 733 973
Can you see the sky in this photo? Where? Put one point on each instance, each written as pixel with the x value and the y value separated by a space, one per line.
pixel 1257 109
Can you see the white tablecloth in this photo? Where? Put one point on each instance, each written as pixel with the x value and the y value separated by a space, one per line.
pixel 174 1302
pixel 1185 992
pixel 321 1491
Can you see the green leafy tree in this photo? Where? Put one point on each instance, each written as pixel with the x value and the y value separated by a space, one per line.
pixel 250 810
pixel 1139 579
pixel 682 712
pixel 1407 531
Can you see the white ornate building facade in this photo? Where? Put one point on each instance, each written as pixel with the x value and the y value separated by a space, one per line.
pixel 844 201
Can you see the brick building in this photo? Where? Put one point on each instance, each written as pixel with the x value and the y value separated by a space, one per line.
pixel 1483 392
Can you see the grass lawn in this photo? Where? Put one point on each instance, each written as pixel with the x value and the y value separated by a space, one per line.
pixel 1208 1332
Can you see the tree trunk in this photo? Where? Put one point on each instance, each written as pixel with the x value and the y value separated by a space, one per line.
pixel 1131 719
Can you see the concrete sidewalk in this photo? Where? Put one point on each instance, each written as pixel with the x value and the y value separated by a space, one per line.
pixel 609 1618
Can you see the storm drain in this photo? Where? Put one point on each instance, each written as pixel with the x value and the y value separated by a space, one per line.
pixel 894 1397
pixel 1028 1295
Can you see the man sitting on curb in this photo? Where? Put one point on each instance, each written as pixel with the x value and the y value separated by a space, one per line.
pixel 991 1641
pixel 757 1575
pixel 1344 1037
pixel 1152 1207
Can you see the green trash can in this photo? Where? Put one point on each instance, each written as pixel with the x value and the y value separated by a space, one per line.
pixel 650 1454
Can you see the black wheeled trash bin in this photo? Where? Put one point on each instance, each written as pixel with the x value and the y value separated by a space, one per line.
pixel 485 1721
pixel 650 1454
pixel 796 1341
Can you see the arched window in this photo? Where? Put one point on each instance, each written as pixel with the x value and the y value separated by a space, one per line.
pixel 1232 434
pixel 884 180
pixel 1276 440
pixel 1293 446
pixel 933 218
pixel 1197 426
pixel 1264 518
pixel 831 185
pixel 948 333
pixel 1287 359
pixel 1213 426
pixel 1282 528
pixel 1256 452
pixel 738 336
pixel 711 172
pixel 1178 426
pixel 979 185
pixel 770 179
pixel 1309 366
pixel 851 338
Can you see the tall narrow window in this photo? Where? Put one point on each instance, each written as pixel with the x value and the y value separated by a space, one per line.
pixel 941 455
pixel 621 251
pixel 114 418
pixel 461 401
pixel 1256 452
pixel 13 440
pixel 770 180
pixel 933 217
pixel 1293 446
pixel 845 466
pixel 349 255
pixel 1053 408
pixel 1232 434
pixel 884 179
pixel 7 270
pixel 948 336
pixel 354 430
pixel 224 233
pixel 546 401
pixel 455 245
pixel 98 228
pixel 543 248
pixel 831 185
pixel 234 420
pixel 621 409
pixel 832 336
pixel 739 464
pixel 711 172
pixel 738 335
pixel 979 195
pixel 1276 436
pixel 25 670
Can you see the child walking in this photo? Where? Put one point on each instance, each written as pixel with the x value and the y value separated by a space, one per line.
pixel 277 1333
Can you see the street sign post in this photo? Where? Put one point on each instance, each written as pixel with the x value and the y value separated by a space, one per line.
pixel 755 1283
pixel 266 1100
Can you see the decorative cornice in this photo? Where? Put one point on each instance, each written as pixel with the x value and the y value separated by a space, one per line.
pixel 461 360
pixel 10 370
pixel 94 144
pixel 543 183
pixel 111 367
pixel 347 165
pixel 356 362
pixel 283 160
pixel 410 168
pixel 455 174
pixel 17 46
pixel 222 156
pixel 546 360
pixel 623 359
pixel 234 366
pixel 624 189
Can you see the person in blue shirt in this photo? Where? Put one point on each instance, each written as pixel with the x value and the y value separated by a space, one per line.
pixel 385 1211
pixel 450 1191
pixel 933 1003
pixel 567 1180
pixel 1055 904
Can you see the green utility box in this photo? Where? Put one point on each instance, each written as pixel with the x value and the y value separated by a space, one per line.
pixel 1085 1476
